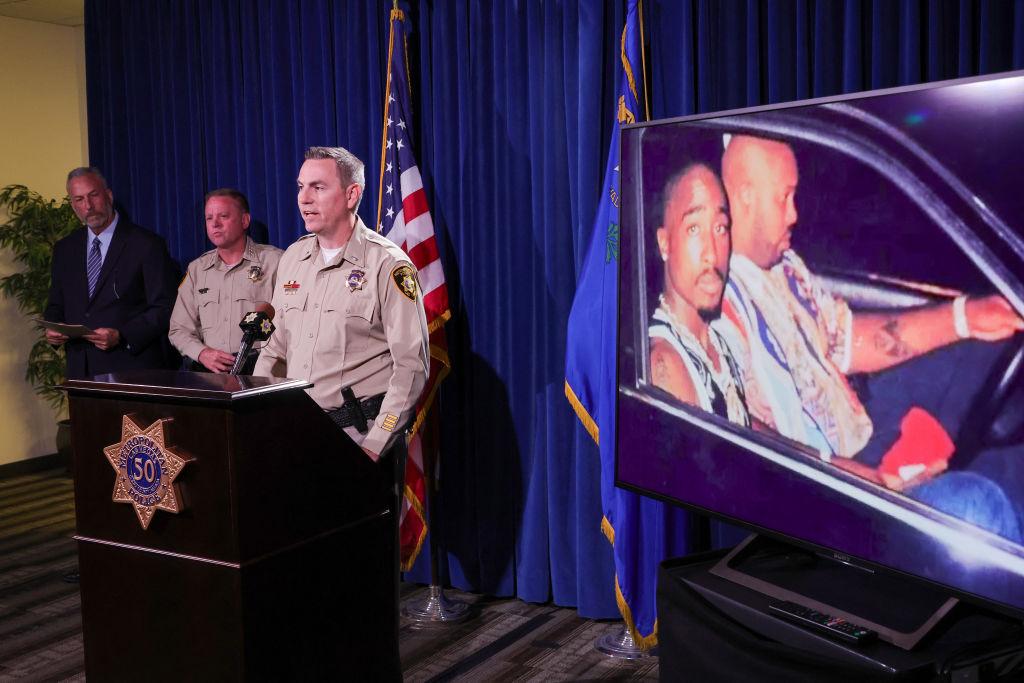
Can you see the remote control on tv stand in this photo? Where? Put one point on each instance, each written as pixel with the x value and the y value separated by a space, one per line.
pixel 826 624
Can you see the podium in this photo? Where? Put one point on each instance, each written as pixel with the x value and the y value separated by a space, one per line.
pixel 281 562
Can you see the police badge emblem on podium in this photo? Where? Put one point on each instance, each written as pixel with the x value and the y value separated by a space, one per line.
pixel 146 469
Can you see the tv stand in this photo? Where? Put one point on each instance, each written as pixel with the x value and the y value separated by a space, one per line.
pixel 711 628
pixel 902 610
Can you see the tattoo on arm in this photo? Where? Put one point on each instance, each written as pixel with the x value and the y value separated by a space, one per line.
pixel 660 371
pixel 888 341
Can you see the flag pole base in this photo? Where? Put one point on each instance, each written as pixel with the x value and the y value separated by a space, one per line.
pixel 619 645
pixel 435 608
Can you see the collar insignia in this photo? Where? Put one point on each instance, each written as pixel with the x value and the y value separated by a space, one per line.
pixel 146 470
pixel 204 290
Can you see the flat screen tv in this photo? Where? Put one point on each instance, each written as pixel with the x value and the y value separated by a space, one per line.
pixel 819 307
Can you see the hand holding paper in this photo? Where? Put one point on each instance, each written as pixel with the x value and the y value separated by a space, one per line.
pixel 68 331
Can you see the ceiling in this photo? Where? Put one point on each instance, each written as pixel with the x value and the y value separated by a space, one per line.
pixel 63 12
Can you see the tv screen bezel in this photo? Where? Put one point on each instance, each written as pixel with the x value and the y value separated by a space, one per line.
pixel 729 433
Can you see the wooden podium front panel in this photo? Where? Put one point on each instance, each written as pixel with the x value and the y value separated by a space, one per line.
pixel 324 611
pixel 265 472
pixel 150 617
pixel 298 476
pixel 205 527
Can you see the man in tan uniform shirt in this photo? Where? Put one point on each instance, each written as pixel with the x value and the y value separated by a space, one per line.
pixel 350 319
pixel 222 285
pixel 349 309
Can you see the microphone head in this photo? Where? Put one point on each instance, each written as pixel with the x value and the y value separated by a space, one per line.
pixel 257 324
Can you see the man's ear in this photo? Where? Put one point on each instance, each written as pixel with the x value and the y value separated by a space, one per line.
pixel 246 219
pixel 662 235
pixel 352 195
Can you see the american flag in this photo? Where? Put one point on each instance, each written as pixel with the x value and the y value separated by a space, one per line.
pixel 404 218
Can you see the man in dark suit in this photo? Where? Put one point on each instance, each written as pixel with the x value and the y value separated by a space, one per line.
pixel 115 278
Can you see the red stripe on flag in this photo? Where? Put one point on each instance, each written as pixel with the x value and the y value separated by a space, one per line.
pixel 424 253
pixel 412 529
pixel 435 302
pixel 414 205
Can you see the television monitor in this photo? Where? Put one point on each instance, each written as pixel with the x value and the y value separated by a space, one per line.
pixel 796 282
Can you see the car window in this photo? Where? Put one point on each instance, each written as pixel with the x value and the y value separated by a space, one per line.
pixel 854 219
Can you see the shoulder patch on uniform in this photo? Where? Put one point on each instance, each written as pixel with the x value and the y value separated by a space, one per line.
pixel 405 279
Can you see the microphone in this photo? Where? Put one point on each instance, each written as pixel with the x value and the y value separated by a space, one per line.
pixel 256 326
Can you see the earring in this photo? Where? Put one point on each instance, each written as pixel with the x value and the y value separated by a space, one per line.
pixel 664 256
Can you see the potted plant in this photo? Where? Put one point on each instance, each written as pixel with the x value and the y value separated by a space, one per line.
pixel 33 226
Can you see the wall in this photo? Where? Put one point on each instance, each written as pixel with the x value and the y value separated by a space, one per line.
pixel 42 135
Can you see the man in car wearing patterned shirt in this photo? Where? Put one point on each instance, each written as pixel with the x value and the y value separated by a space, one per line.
pixel 796 343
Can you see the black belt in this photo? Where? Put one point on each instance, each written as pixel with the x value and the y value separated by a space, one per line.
pixel 356 412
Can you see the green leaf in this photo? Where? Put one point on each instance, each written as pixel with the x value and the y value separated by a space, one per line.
pixel 33 226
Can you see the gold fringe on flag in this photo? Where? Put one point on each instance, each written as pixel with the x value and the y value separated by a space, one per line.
pixel 643 642
pixel 588 422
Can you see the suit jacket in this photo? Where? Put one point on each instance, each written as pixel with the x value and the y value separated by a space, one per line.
pixel 134 295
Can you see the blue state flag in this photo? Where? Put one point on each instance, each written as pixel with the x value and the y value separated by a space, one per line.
pixel 642 531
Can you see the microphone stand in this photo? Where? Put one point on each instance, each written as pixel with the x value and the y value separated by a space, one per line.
pixel 243 351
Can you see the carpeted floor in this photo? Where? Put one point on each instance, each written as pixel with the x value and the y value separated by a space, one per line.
pixel 503 640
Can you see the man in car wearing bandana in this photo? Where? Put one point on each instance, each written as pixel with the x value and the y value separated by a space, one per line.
pixel 689 359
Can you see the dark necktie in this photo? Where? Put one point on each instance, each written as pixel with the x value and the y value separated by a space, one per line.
pixel 94 265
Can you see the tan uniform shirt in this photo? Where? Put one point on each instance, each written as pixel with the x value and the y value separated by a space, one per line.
pixel 213 298
pixel 357 321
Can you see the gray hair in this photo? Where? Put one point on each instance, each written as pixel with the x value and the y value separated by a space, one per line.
pixel 84 171
pixel 350 168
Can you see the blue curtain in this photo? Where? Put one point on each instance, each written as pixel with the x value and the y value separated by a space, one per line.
pixel 512 118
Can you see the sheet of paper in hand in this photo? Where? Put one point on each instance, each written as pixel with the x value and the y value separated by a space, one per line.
pixel 72 331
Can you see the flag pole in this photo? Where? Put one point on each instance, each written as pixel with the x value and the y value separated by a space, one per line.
pixel 626 642
pixel 435 608
pixel 387 102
